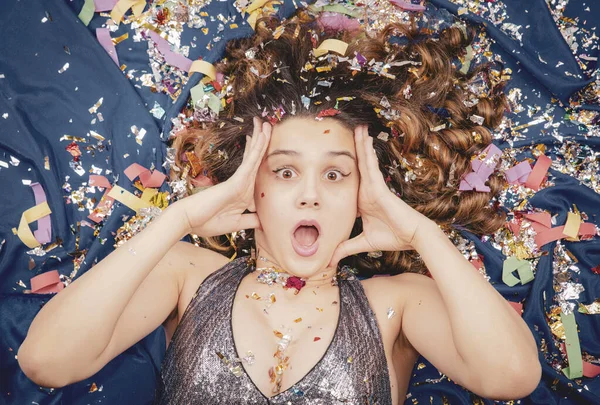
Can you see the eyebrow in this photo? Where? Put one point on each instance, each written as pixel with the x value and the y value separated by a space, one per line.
pixel 332 153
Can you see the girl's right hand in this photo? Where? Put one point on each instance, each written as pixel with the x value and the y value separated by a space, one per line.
pixel 220 209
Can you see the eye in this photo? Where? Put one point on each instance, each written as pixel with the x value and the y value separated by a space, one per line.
pixel 337 177
pixel 285 170
pixel 287 173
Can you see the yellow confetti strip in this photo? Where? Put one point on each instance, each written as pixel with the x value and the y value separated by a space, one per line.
pixel 205 68
pixel 123 6
pixel 128 199
pixel 255 5
pixel 31 215
pixel 120 39
pixel 256 10
pixel 572 226
pixel 278 31
pixel 323 69
pixel 331 45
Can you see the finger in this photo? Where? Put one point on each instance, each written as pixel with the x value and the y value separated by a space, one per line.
pixel 252 144
pixel 350 247
pixel 258 150
pixel 372 164
pixel 250 140
pixel 266 135
pixel 246 147
pixel 257 127
pixel 360 152
pixel 249 221
pixel 255 131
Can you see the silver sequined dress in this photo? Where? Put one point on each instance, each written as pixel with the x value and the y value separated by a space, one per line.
pixel 195 369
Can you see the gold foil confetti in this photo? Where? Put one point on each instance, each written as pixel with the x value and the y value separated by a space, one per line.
pixel 590 309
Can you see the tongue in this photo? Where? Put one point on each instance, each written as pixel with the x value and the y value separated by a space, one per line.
pixel 306 235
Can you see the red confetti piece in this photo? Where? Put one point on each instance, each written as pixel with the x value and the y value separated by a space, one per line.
pixel 74 150
pixel 295 282
pixel 316 339
pixel 517 306
pixel 330 112
pixel 46 283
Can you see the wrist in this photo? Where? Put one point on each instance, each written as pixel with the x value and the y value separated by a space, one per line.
pixel 176 215
pixel 425 234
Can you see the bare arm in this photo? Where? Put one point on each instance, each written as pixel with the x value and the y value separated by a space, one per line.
pixel 120 300
pixel 463 326
pixel 85 314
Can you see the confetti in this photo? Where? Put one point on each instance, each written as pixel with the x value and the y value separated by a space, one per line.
pixel 64 68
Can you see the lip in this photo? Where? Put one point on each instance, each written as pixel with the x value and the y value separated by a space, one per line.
pixel 303 250
pixel 307 222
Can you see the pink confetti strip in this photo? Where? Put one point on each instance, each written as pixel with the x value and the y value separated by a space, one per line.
pixel 543 218
pixel 518 174
pixel 171 57
pixel 44 232
pixel 103 35
pixel 482 169
pixel 471 181
pixel 46 283
pixel 547 235
pixel 517 306
pixel 339 22
pixel 153 179
pixel 106 202
pixel 404 5
pixel 105 5
pixel 538 173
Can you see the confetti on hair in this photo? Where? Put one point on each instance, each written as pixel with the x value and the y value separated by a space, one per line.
pixel 329 112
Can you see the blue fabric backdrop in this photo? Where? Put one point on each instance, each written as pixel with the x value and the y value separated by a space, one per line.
pixel 38 105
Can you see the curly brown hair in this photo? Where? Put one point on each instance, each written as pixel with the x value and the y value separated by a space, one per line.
pixel 427 120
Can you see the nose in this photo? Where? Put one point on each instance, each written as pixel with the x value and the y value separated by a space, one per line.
pixel 309 194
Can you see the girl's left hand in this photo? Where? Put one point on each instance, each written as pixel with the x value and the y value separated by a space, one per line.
pixel 389 224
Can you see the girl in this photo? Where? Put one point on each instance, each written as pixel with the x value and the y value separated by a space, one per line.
pixel 358 144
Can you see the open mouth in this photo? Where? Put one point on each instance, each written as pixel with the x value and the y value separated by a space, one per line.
pixel 305 240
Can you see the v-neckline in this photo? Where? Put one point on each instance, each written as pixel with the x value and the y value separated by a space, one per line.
pixel 236 354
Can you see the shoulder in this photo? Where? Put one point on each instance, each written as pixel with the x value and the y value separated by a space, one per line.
pixel 196 263
pixel 398 289
pixel 388 297
pixel 395 292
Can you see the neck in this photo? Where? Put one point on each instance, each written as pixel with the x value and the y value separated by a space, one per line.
pixel 320 280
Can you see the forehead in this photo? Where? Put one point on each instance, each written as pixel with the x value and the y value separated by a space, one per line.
pixel 311 136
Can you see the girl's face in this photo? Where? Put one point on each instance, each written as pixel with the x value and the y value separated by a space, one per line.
pixel 309 172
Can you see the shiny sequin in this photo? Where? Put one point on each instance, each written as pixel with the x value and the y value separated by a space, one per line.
pixel 346 374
